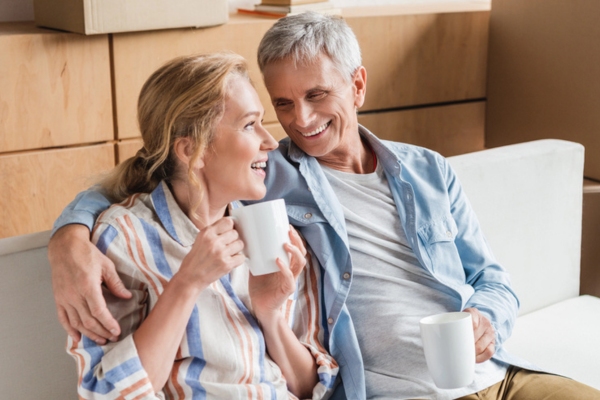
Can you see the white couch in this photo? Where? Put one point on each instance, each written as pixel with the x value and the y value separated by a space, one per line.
pixel 528 198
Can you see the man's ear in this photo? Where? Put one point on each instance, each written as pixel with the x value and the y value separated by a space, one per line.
pixel 184 149
pixel 360 86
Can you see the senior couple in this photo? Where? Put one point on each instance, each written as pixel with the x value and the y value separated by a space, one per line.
pixel 384 236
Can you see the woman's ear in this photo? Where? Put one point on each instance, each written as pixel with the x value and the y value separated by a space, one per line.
pixel 184 149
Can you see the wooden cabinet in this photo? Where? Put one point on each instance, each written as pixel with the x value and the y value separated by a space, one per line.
pixel 54 88
pixel 37 185
pixel 76 96
pixel 422 58
pixel 450 130
pixel 543 74
pixel 138 55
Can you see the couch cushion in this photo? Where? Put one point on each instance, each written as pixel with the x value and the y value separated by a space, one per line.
pixel 562 338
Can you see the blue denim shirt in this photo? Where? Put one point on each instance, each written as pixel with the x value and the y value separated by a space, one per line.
pixel 436 215
pixel 439 224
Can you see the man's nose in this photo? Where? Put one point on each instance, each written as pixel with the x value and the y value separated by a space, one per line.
pixel 304 115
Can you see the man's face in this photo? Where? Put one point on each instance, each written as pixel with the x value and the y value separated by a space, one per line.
pixel 316 106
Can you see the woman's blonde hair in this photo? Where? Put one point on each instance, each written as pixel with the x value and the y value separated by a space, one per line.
pixel 183 98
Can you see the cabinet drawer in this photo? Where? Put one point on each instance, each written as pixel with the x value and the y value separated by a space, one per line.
pixel 54 88
pixel 38 185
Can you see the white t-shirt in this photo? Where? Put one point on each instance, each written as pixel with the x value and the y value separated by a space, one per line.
pixel 390 293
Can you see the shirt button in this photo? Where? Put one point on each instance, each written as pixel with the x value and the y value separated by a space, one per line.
pixel 330 320
pixel 346 275
pixel 448 233
pixel 308 215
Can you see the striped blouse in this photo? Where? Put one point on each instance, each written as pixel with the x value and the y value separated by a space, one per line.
pixel 222 354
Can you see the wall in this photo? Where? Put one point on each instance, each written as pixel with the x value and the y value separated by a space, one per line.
pixel 68 101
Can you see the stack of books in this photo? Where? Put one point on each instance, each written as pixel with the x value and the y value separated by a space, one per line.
pixel 282 8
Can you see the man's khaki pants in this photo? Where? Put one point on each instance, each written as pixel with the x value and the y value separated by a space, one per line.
pixel 522 384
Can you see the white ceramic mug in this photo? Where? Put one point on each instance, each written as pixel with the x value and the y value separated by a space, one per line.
pixel 264 228
pixel 449 346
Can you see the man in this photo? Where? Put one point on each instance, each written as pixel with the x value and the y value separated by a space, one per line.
pixel 395 236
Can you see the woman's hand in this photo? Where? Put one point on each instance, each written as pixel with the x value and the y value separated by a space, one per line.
pixel 269 292
pixel 216 251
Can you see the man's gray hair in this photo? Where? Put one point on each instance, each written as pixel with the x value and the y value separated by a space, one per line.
pixel 303 37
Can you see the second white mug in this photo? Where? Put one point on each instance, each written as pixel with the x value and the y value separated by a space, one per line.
pixel 449 346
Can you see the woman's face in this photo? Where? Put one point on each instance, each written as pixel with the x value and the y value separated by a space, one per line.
pixel 234 163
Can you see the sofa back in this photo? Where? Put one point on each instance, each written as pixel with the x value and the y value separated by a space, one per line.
pixel 528 198
pixel 33 360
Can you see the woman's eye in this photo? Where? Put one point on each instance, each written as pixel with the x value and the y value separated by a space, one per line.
pixel 249 125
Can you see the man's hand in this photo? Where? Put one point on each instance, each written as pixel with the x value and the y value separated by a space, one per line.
pixel 78 270
pixel 485 336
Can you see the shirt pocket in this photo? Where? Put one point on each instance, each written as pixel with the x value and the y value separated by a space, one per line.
pixel 438 239
pixel 302 215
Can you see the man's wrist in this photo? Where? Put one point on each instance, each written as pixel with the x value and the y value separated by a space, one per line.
pixel 64 238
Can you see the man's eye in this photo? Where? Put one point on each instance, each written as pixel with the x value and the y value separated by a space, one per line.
pixel 283 104
pixel 316 95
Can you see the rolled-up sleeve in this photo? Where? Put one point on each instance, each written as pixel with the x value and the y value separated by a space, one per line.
pixel 114 370
pixel 303 313
pixel 83 210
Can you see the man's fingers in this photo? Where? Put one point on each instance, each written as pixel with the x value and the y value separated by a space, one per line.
pixel 102 322
pixel 487 353
pixel 77 324
pixel 113 283
pixel 63 318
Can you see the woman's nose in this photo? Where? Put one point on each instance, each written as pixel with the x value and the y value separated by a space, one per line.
pixel 268 141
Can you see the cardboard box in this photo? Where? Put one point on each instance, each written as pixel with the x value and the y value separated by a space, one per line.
pixel 544 63
pixel 108 16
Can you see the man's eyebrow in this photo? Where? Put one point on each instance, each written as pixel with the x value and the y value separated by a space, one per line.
pixel 278 99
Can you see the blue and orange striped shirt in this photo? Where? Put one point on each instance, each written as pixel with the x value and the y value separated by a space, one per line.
pixel 222 354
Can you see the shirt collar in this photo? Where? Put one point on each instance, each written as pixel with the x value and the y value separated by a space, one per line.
pixel 177 224
pixel 385 154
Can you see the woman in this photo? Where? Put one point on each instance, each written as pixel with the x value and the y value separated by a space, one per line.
pixel 198 324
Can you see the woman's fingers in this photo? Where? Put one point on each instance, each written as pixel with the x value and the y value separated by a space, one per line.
pixel 296 240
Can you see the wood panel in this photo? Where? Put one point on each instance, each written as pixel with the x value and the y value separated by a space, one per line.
pixel 128 148
pixel 544 65
pixel 276 130
pixel 138 55
pixel 38 185
pixel 449 130
pixel 410 58
pixel 423 58
pixel 54 88
pixel 590 237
